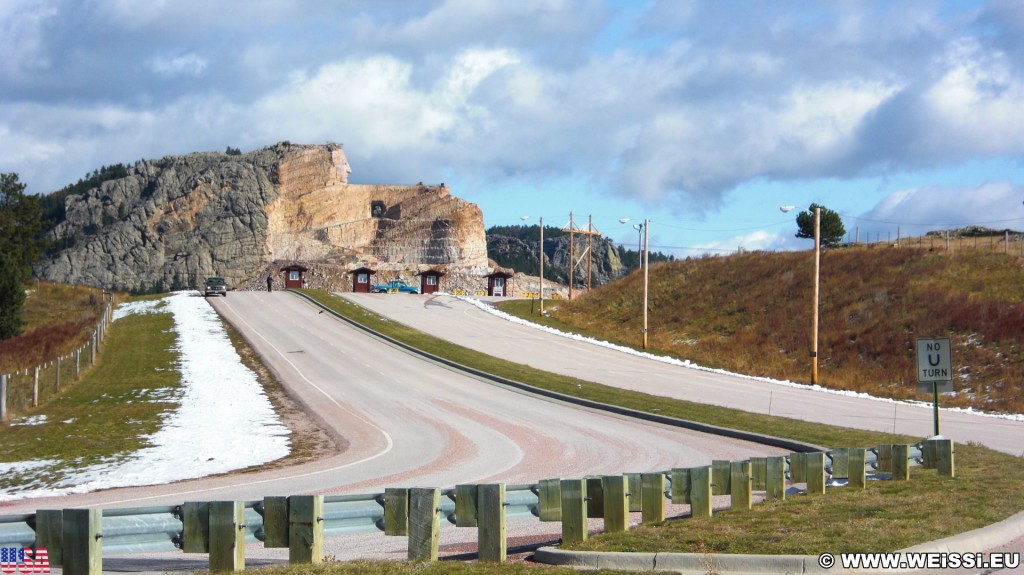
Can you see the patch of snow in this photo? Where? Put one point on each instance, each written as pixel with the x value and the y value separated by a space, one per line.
pixel 222 406
pixel 690 365
pixel 32 420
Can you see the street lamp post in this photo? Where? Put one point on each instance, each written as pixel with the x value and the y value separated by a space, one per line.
pixel 644 226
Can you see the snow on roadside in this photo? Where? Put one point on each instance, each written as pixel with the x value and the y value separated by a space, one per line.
pixel 484 306
pixel 222 408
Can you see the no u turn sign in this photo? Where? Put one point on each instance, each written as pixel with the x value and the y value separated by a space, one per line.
pixel 934 363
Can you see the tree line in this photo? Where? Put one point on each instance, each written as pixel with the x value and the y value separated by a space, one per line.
pixel 21 245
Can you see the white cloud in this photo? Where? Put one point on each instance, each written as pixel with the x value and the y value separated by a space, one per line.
pixel 917 210
pixel 178 65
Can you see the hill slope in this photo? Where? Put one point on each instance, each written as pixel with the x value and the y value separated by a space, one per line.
pixel 750 313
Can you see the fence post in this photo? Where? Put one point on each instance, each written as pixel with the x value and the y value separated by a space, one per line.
pixel 396 511
pixel 758 473
pixel 82 535
pixel 884 459
pixel 50 534
pixel 815 473
pixel 616 503
pixel 306 529
pixel 466 511
pixel 740 480
pixel 196 527
pixel 78 363
pixel 227 536
pixel 595 497
pixel 275 522
pixel 653 497
pixel 720 470
pixel 701 501
pixel 492 545
pixel 901 462
pixel 3 398
pixel 574 510
pixel 424 523
pixel 92 348
pixel 944 457
pixel 549 500
pixel 680 486
pixel 35 386
pixel 775 478
pixel 636 490
pixel 856 469
pixel 797 468
pixel 840 462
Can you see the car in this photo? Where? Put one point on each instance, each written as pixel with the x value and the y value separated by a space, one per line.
pixel 215 286
pixel 394 286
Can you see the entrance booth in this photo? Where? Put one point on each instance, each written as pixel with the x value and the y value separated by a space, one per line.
pixel 362 279
pixel 293 276
pixel 499 284
pixel 430 280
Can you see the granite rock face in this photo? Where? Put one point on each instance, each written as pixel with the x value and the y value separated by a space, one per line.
pixel 174 221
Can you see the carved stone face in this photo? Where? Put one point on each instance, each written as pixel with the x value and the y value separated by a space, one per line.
pixel 340 161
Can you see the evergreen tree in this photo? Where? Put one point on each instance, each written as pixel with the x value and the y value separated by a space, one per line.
pixel 21 245
pixel 832 229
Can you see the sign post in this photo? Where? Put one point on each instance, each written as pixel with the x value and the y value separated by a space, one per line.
pixel 934 369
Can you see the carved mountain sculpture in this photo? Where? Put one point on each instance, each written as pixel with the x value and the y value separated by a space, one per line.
pixel 173 221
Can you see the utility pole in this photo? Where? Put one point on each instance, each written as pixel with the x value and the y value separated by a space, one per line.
pixel 542 266
pixel 572 254
pixel 817 281
pixel 646 282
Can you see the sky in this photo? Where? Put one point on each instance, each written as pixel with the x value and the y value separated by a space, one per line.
pixel 701 117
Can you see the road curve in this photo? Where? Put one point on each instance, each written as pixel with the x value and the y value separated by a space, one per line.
pixel 465 324
pixel 408 422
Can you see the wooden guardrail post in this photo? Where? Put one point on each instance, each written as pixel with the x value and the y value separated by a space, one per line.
pixel 797 467
pixel 195 519
pixel 50 534
pixel 306 529
pixel 466 511
pixel 653 497
pixel 856 469
pixel 680 486
pixel 701 500
pixel 840 463
pixel 82 534
pixel 396 511
pixel 884 460
pixel 815 473
pixel 636 490
pixel 574 510
pixel 491 535
pixel 595 497
pixel 944 457
pixel 616 503
pixel 275 522
pixel 549 499
pixel 227 536
pixel 740 481
pixel 775 478
pixel 424 523
pixel 720 474
pixel 901 462
pixel 758 473
pixel 928 454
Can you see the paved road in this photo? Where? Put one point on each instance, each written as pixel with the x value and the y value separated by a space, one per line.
pixel 467 325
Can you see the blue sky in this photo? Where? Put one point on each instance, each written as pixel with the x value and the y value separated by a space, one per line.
pixel 704 117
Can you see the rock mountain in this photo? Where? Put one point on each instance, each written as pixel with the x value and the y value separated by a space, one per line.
pixel 173 221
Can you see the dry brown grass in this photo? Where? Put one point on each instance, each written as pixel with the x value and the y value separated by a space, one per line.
pixel 59 319
pixel 750 313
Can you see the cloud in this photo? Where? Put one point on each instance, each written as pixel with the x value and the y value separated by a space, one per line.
pixel 915 211
pixel 178 65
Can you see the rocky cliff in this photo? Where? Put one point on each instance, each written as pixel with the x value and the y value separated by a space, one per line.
pixel 521 252
pixel 173 221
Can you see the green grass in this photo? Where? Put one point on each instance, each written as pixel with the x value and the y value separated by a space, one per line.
pixel 988 488
pixel 396 568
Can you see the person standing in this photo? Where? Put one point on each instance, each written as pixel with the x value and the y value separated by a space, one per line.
pixel 270 283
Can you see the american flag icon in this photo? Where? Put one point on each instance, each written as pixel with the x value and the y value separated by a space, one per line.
pixel 23 560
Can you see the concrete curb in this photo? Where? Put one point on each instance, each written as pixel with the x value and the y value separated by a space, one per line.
pixel 982 539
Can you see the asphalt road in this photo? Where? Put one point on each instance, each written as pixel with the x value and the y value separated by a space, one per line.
pixel 409 423
pixel 465 324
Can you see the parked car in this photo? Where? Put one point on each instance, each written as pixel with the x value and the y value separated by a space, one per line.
pixel 394 286
pixel 215 286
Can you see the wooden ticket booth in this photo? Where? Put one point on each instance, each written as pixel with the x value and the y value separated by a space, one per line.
pixel 362 279
pixel 499 284
pixel 430 280
pixel 293 276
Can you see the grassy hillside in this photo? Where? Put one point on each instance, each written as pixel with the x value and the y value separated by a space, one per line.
pixel 59 318
pixel 751 313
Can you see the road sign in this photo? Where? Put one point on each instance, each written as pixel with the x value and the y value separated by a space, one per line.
pixel 934 365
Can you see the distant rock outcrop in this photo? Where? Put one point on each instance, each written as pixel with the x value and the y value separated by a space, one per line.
pixel 171 222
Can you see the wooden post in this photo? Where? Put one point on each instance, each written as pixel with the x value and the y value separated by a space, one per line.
pixel 92 348
pixel 758 473
pixel 840 462
pixel 549 499
pixel 3 398
pixel 595 497
pixel 740 482
pixel 491 535
pixel 196 527
pixel 275 522
pixel 227 536
pixel 636 490
pixel 720 471
pixel 701 501
pixel 856 469
pixel 884 461
pixel 797 468
pixel 680 486
pixel 616 503
pixel 82 535
pixel 574 510
pixel 944 457
pixel 56 377
pixel 306 529
pixel 466 512
pixel 901 462
pixel 424 523
pixel 815 473
pixel 78 362
pixel 928 454
pixel 35 386
pixel 775 478
pixel 50 534
pixel 653 507
pixel 396 511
